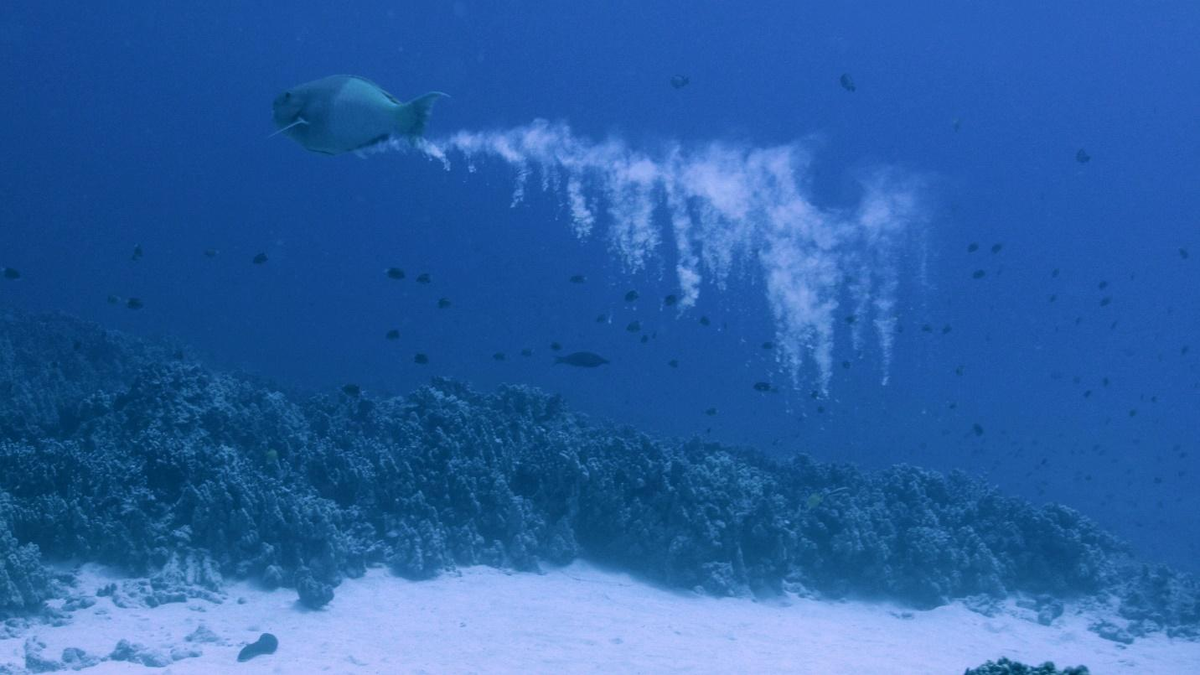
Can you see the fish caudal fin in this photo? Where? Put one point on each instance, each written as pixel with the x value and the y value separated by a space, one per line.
pixel 415 113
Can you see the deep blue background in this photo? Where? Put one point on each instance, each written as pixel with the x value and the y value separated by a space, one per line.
pixel 145 122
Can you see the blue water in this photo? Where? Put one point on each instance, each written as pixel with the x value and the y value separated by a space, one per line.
pixel 145 124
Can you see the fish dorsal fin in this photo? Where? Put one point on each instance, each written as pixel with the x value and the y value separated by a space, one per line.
pixel 383 91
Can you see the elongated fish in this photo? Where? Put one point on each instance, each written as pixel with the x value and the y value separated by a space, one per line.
pixel 344 113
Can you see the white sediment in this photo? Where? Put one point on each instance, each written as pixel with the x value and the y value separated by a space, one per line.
pixel 582 619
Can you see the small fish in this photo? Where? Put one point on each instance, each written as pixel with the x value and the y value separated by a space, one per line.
pixel 958 371
pixel 554 346
pixel 1053 297
pixel 351 390
pixel 762 386
pixel 674 363
pixel 957 124
pixel 261 258
pixel 972 247
pixel 581 360
pixel 443 303
pixel 977 428
pixel 1054 273
pixel 996 248
pixel 634 326
pixel 631 296
pixel 527 352
pixel 680 81
pixel 499 356
pixel 424 278
pixel 851 319
pixel 847 82
pixel 670 300
pixel 845 365
pixel 1183 253
pixel 1102 285
pixel 394 273
pixel 946 329
pixel 393 334
pixel 601 318
pixel 11 274
pixel 211 252
pixel 645 339
pixel 704 321
pixel 1082 157
pixel 768 345
pixel 1106 301
pixel 577 279
pixel 137 253
pixel 420 359
pixel 978 274
pixel 134 303
pixel 711 412
pixel 927 328
pixel 1184 350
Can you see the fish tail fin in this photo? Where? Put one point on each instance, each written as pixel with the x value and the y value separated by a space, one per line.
pixel 415 114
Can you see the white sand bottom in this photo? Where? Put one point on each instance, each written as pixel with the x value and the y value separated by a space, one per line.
pixel 582 619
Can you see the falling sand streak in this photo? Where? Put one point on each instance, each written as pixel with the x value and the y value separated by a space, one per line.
pixel 726 204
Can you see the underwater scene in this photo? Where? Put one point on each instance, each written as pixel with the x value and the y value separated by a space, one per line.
pixel 629 337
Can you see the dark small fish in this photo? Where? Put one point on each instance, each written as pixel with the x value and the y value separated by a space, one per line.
pixel 1133 412
pixel 351 390
pixel 601 318
pixel 680 81
pixel 1102 285
pixel 1053 297
pixel 978 429
pixel 260 259
pixel 1082 157
pixel 424 278
pixel 996 248
pixel 421 359
pixel 554 346
pixel 645 339
pixel 851 319
pixel 210 252
pixel 1054 273
pixel 1184 350
pixel 946 329
pixel 927 328
pixel 1183 253
pixel 1087 394
pixel 443 303
pixel 11 274
pixel 847 82
pixel 978 274
pixel 581 360
pixel 266 644
pixel 134 303
pixel 704 321
pixel 846 365
pixel 393 334
pixel 634 326
pixel 958 371
pixel 711 412
pixel 972 247
pixel 768 345
pixel 578 279
pixel 1106 301
pixel 527 352
pixel 670 300
pixel 821 410
pixel 137 253
pixel 631 296
pixel 499 356
pixel 394 273
pixel 674 363
pixel 762 386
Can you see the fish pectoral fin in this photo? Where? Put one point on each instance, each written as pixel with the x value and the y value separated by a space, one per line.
pixel 299 121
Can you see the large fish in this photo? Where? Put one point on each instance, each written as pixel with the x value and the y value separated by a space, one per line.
pixel 343 113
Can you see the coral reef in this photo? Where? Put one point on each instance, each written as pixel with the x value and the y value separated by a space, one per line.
pixel 127 452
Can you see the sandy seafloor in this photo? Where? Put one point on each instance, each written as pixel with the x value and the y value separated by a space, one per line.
pixel 580 618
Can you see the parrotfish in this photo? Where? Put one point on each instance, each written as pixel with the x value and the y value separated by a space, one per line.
pixel 344 113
